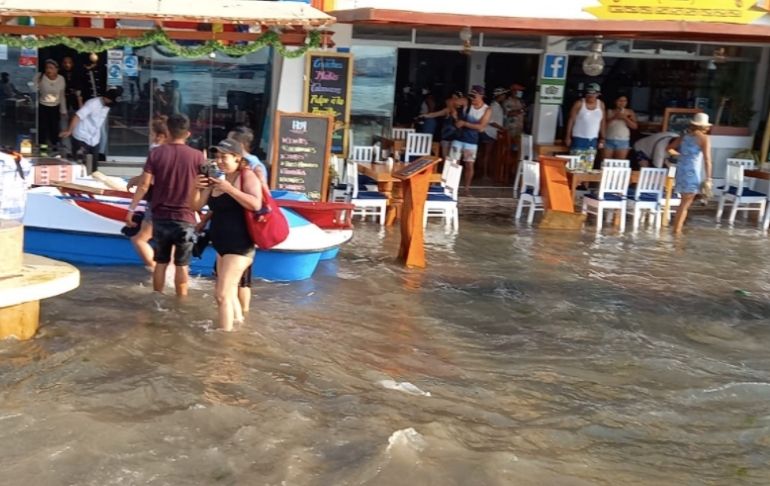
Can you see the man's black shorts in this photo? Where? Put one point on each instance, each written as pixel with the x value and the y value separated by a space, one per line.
pixel 179 235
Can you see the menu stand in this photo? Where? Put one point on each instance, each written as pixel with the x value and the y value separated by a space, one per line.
pixel 557 197
pixel 415 179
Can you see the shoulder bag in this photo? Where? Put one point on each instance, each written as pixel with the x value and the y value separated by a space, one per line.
pixel 268 226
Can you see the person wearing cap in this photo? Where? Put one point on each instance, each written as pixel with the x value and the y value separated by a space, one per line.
pixel 52 104
pixel 172 170
pixel 515 110
pixel 471 122
pixel 86 126
pixel 227 197
pixel 693 169
pixel 586 124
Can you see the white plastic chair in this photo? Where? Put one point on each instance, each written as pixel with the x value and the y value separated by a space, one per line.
pixel 612 195
pixel 525 150
pixel 439 188
pixel 362 153
pixel 740 196
pixel 400 133
pixel 530 190
pixel 417 145
pixel 748 164
pixel 616 163
pixel 675 200
pixel 445 205
pixel 341 190
pixel 573 161
pixel 367 203
pixel 525 153
pixel 647 195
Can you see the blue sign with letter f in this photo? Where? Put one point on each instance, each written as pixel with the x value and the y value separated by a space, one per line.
pixel 555 66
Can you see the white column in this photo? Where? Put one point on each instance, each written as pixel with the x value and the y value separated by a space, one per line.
pixel 546 117
pixel 477 68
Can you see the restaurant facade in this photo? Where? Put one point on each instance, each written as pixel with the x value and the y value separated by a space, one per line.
pixel 664 55
pixel 218 63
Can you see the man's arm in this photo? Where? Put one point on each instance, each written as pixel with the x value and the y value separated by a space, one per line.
pixel 73 123
pixel 141 189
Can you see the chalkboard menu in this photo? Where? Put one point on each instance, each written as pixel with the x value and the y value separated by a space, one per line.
pixel 327 92
pixel 301 151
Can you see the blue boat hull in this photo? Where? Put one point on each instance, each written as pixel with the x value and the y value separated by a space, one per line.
pixel 91 249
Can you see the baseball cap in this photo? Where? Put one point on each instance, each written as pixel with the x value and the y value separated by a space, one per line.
pixel 593 88
pixel 476 90
pixel 228 146
pixel 499 91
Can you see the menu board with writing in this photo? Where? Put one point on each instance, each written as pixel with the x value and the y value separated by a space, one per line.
pixel 327 91
pixel 301 152
pixel 416 167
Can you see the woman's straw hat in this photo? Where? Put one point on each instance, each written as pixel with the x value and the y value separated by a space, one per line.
pixel 700 120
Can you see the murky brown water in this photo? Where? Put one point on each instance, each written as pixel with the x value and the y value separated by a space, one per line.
pixel 549 359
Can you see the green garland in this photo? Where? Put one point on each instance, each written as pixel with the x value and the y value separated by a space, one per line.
pixel 159 37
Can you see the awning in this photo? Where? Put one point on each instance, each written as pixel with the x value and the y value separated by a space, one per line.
pixel 648 29
pixel 250 12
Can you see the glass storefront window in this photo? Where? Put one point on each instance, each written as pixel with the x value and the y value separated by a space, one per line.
pixel 608 45
pixel 18 101
pixel 497 39
pixel 387 32
pixel 374 84
pixel 216 93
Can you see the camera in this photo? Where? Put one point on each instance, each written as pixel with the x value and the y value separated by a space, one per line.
pixel 209 170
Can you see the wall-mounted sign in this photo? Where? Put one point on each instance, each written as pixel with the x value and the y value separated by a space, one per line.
pixel 732 11
pixel 328 84
pixel 114 67
pixel 553 78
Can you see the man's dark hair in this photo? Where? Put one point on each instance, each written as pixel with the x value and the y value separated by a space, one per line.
pixel 178 125
pixel 244 135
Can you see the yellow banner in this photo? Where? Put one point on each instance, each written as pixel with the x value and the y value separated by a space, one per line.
pixel 732 11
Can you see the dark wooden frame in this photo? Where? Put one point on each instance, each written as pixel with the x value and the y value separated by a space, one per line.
pixel 276 143
pixel 677 111
pixel 348 95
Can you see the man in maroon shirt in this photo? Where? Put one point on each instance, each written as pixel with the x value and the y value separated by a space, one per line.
pixel 172 169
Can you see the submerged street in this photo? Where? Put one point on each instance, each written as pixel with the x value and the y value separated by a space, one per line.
pixel 517 357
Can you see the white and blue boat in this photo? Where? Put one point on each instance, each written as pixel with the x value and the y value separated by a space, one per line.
pixel 81 224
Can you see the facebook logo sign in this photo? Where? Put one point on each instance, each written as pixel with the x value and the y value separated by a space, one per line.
pixel 555 66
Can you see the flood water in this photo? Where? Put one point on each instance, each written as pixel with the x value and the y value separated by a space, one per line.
pixel 518 357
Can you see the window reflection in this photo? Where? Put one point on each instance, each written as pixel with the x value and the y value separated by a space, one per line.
pixel 374 84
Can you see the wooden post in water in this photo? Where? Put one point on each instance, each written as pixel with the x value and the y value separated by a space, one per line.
pixel 415 179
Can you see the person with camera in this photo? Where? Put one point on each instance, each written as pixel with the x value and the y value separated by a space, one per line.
pixel 228 192
pixel 172 169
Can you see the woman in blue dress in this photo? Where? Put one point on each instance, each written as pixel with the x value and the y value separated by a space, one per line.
pixel 694 150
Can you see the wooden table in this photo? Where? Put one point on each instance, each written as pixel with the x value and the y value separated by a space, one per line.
pixel 757 174
pixel 389 185
pixel 551 149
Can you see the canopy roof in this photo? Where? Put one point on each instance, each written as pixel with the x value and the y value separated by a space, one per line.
pixel 252 12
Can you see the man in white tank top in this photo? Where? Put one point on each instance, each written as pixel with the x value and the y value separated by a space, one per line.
pixel 586 125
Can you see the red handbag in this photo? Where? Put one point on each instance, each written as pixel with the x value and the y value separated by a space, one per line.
pixel 268 226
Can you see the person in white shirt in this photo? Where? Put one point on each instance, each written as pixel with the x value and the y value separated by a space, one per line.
pixel 86 125
pixel 52 104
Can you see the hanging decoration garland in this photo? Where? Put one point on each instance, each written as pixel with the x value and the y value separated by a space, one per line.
pixel 269 38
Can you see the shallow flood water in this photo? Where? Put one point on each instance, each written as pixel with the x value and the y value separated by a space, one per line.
pixel 517 358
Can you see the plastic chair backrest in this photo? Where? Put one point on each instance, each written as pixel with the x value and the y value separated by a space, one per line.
pixel 616 163
pixel 526 147
pixel 735 176
pixel 747 163
pixel 400 133
pixel 417 144
pixel 362 153
pixel 573 161
pixel 452 186
pixel 651 180
pixel 445 170
pixel 530 177
pixel 614 181
pixel 351 173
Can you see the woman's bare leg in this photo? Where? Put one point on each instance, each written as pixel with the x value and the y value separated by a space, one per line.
pixel 229 272
pixel 681 212
pixel 141 242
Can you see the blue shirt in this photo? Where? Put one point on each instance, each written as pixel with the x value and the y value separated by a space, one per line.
pixel 255 163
